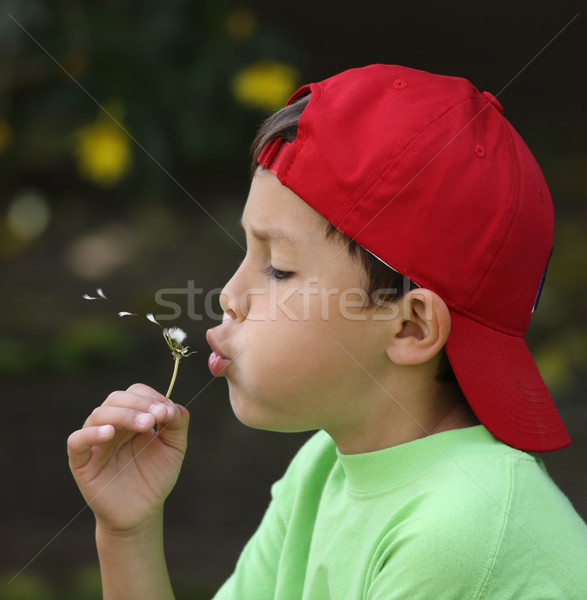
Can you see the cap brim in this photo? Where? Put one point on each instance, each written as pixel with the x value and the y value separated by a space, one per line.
pixel 501 382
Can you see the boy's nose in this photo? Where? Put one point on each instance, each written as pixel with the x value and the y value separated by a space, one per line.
pixel 232 304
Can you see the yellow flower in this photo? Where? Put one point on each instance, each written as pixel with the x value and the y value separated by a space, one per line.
pixel 265 84
pixel 103 151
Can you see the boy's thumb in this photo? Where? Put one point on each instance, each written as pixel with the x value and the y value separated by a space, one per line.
pixel 175 431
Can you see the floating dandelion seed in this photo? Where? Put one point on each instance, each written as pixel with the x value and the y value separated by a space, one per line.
pixel 100 296
pixel 174 337
pixel 153 319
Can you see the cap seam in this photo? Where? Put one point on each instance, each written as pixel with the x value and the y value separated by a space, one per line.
pixel 357 208
pixel 359 196
pixel 507 225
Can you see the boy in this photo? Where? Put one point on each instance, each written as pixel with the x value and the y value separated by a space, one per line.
pixel 418 484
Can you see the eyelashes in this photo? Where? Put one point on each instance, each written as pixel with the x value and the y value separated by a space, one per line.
pixel 271 272
pixel 277 274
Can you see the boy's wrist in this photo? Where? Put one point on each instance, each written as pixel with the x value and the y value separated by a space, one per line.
pixel 132 561
pixel 149 529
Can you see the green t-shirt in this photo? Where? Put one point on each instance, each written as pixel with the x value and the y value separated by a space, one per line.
pixel 456 515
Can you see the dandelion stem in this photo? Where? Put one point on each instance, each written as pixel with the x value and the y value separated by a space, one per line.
pixel 173 377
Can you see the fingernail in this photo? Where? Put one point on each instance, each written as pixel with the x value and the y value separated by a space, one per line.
pixel 143 419
pixel 157 410
pixel 171 411
pixel 104 430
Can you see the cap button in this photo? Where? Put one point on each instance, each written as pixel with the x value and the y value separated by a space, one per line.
pixel 493 101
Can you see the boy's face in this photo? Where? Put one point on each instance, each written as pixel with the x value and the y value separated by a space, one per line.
pixel 302 351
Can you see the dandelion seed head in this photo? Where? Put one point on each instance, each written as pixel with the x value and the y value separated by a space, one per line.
pixel 176 334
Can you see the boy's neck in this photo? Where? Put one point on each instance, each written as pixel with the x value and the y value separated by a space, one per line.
pixel 449 410
pixel 458 417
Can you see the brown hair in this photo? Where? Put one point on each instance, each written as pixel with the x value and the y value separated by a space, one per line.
pixel 284 124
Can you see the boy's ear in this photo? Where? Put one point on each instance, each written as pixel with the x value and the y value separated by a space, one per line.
pixel 420 329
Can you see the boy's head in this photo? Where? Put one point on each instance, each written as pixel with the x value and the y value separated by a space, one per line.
pixel 424 173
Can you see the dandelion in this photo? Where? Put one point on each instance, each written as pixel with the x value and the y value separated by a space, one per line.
pixel 174 337
pixel 176 334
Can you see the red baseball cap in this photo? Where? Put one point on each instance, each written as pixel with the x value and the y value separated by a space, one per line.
pixel 425 172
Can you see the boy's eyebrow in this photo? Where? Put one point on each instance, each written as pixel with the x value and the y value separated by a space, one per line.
pixel 272 234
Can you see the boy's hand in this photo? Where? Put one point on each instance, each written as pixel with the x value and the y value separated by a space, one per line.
pixel 124 468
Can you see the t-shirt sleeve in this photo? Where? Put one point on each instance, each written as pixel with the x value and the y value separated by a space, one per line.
pixel 256 573
pixel 432 563
pixel 493 546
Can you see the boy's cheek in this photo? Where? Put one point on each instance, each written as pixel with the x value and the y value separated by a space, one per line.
pixel 276 305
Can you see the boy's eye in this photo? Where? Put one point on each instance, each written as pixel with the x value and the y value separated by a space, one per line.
pixel 276 273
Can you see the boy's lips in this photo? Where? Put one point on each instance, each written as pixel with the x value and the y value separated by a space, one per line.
pixel 217 362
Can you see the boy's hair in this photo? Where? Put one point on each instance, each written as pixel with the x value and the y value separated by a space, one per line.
pixel 426 173
pixel 384 284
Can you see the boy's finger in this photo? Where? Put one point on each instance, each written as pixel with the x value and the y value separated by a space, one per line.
pixel 126 418
pixel 140 389
pixel 138 402
pixel 79 443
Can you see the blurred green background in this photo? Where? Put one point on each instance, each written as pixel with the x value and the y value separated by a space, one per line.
pixel 124 134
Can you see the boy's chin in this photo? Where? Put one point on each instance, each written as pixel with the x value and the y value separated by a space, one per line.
pixel 257 418
pixel 266 424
